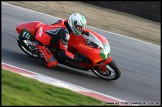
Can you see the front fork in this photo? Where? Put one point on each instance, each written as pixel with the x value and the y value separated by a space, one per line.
pixel 102 66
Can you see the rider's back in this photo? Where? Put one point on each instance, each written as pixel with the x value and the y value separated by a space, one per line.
pixel 50 34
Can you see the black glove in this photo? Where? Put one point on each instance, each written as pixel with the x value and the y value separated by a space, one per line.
pixel 85 33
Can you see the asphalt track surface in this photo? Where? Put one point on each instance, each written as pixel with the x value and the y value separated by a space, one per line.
pixel 139 61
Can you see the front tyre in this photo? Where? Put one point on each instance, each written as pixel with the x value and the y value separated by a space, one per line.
pixel 113 72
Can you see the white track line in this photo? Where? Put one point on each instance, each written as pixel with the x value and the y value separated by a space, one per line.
pixel 88 26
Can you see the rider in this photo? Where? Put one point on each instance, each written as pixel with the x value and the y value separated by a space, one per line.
pixel 61 35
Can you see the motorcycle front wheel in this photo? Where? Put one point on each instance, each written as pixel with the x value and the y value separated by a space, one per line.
pixel 113 72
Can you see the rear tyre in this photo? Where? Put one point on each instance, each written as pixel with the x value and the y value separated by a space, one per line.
pixel 113 72
pixel 31 51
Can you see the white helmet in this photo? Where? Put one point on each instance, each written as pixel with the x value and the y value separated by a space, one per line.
pixel 77 22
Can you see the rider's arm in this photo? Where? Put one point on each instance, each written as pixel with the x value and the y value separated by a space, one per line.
pixel 85 32
pixel 64 38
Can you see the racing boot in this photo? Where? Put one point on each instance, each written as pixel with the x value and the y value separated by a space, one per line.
pixel 46 56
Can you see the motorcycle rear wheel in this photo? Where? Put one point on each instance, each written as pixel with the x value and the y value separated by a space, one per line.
pixel 31 47
pixel 113 72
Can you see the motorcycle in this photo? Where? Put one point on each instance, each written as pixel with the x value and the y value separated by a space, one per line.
pixel 94 50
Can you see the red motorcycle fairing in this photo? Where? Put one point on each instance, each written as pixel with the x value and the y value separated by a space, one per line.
pixel 29 26
pixel 79 43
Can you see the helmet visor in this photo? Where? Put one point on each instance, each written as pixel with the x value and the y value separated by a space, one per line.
pixel 78 27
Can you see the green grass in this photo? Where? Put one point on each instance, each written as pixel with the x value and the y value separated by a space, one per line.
pixel 19 91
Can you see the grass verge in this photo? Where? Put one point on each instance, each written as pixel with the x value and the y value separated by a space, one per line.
pixel 18 90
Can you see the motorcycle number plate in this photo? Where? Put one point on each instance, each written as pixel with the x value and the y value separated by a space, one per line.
pixel 25 35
